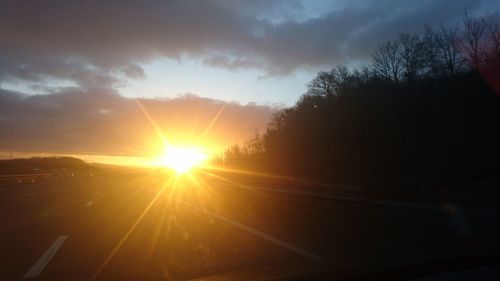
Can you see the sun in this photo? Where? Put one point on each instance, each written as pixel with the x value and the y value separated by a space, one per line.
pixel 182 159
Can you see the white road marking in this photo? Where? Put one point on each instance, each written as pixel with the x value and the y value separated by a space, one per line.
pixel 38 267
pixel 89 204
pixel 258 233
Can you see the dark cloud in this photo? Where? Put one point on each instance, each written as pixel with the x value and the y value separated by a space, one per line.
pixel 103 122
pixel 104 42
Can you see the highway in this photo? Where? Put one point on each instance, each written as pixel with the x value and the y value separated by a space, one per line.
pixel 154 225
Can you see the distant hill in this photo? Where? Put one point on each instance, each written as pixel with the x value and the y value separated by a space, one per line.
pixel 42 165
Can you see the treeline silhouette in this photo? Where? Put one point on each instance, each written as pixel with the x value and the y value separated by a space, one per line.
pixel 426 107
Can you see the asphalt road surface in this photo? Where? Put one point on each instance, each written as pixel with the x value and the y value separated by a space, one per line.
pixel 153 225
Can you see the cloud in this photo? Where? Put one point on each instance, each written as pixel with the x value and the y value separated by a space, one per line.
pixel 103 43
pixel 103 122
pixel 229 62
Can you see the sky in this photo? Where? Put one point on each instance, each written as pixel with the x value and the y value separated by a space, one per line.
pixel 67 68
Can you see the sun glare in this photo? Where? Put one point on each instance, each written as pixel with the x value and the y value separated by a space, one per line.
pixel 182 159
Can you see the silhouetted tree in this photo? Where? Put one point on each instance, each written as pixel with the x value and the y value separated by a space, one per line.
pixel 412 54
pixel 387 61
pixel 473 40
pixel 443 50
pixel 492 24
